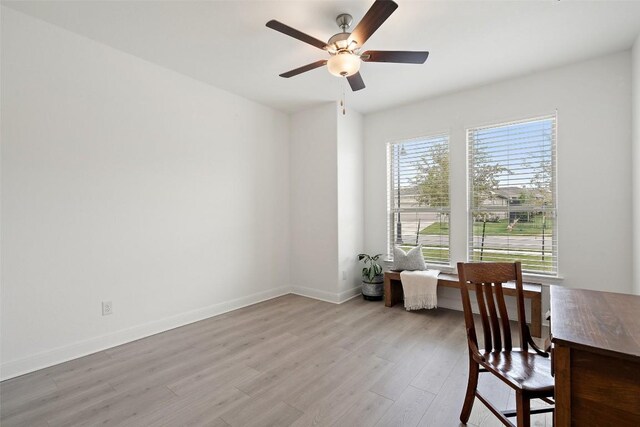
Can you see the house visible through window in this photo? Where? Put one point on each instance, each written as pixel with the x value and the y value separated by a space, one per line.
pixel 512 194
pixel 418 196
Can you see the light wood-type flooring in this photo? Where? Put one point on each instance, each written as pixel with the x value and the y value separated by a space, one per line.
pixel 290 361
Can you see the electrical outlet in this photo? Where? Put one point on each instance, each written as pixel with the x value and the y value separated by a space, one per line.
pixel 107 308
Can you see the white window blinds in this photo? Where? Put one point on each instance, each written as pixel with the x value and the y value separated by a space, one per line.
pixel 512 194
pixel 418 197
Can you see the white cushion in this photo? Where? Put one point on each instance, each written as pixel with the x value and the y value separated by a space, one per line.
pixel 411 260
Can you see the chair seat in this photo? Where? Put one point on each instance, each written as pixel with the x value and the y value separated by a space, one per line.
pixel 523 370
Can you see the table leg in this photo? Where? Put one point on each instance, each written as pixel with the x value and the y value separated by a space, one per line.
pixel 388 296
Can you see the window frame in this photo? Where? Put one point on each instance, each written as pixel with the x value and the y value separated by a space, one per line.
pixel 555 273
pixel 392 210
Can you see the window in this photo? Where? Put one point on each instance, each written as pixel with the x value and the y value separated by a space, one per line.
pixel 418 196
pixel 512 194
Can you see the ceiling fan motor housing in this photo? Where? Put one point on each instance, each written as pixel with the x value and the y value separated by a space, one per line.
pixel 339 42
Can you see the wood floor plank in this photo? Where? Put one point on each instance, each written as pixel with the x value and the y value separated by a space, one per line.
pixel 353 369
pixel 411 361
pixel 366 411
pixel 295 373
pixel 359 312
pixel 37 412
pixel 393 383
pixel 118 409
pixel 210 329
pixel 160 372
pixel 213 377
pixel 273 349
pixel 444 411
pixel 73 367
pixel 256 349
pixel 104 370
pixel 327 407
pixel 400 325
pixel 434 374
pixel 408 409
pixel 361 331
pixel 200 409
pixel 262 411
pixel 25 390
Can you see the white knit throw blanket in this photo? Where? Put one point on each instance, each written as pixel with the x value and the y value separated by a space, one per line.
pixel 420 289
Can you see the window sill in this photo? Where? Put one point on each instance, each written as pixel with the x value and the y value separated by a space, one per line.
pixel 444 268
pixel 542 278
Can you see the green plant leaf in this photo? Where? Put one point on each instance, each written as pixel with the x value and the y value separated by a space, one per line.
pixel 372 268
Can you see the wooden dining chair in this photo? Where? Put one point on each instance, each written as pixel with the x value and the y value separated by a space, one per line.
pixel 527 372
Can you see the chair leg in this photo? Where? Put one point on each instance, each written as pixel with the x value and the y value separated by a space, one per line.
pixel 472 384
pixel 523 410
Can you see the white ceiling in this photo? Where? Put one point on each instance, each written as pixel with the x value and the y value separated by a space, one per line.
pixel 226 43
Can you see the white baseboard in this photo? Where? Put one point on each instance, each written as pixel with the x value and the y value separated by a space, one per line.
pixel 54 356
pixel 316 294
pixel 449 303
pixel 345 296
pixel 335 298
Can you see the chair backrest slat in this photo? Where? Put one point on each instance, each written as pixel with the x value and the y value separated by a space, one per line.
pixel 504 317
pixel 483 316
pixel 493 316
pixel 522 319
pixel 487 279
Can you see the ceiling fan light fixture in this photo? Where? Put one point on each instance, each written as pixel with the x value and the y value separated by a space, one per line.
pixel 344 64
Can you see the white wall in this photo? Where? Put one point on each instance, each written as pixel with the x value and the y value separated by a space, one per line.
pixel 127 182
pixel 326 203
pixel 635 68
pixel 594 149
pixel 350 202
pixel 314 202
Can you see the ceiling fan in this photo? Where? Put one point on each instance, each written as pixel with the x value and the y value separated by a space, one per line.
pixel 344 47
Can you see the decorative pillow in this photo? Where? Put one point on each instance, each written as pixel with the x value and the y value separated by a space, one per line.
pixel 412 260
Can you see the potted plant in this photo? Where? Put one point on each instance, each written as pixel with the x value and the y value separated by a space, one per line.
pixel 372 279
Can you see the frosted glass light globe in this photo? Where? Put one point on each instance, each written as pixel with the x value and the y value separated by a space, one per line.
pixel 343 64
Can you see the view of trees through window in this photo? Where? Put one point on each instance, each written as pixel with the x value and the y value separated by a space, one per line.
pixel 419 196
pixel 512 202
pixel 512 194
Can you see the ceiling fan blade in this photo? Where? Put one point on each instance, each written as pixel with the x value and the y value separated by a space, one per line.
pixel 304 68
pixel 399 56
pixel 292 32
pixel 356 82
pixel 372 20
